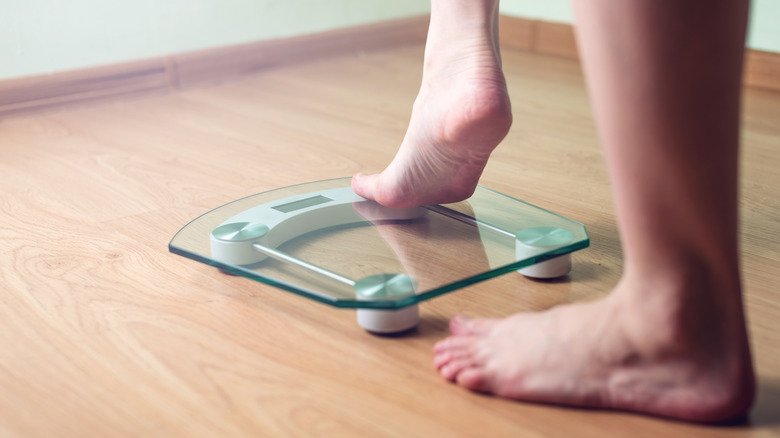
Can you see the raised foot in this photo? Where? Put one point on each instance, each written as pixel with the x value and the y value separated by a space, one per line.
pixel 443 155
pixel 461 113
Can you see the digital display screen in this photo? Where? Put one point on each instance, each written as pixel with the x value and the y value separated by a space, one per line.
pixel 303 203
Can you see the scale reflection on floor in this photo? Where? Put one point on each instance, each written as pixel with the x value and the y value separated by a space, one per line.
pixel 322 241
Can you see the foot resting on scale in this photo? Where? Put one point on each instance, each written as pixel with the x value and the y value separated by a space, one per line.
pixel 462 112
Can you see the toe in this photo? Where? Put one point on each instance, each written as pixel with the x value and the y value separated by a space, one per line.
pixel 384 191
pixel 462 325
pixel 455 354
pixel 455 343
pixel 363 185
pixel 455 367
pixel 443 358
pixel 473 378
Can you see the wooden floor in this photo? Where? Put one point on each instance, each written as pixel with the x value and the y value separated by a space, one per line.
pixel 104 333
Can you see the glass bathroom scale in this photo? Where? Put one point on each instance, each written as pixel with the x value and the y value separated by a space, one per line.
pixel 322 241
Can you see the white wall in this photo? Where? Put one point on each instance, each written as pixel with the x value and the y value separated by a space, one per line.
pixel 43 36
pixel 763 34
pixel 765 25
pixel 549 10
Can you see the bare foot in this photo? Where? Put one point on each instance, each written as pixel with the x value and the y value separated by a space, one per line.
pixel 461 113
pixel 608 354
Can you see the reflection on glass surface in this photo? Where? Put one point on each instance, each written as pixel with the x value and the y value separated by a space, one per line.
pixel 320 240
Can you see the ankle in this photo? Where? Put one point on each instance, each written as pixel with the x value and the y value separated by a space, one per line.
pixel 461 28
pixel 689 328
pixel 680 305
pixel 463 12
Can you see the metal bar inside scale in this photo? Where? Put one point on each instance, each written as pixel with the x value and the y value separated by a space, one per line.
pixel 278 255
pixel 458 216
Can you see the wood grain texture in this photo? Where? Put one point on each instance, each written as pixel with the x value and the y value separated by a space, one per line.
pixel 517 33
pixel 555 39
pixel 98 84
pixel 104 333
pixel 762 69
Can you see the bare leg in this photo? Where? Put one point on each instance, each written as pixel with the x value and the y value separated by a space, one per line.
pixel 460 115
pixel 670 340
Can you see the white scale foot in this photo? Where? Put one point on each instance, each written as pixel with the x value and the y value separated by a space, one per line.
pixel 529 242
pixel 386 286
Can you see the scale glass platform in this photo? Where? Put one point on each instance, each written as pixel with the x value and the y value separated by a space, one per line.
pixel 322 241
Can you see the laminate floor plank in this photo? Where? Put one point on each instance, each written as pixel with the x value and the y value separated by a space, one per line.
pixel 105 333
